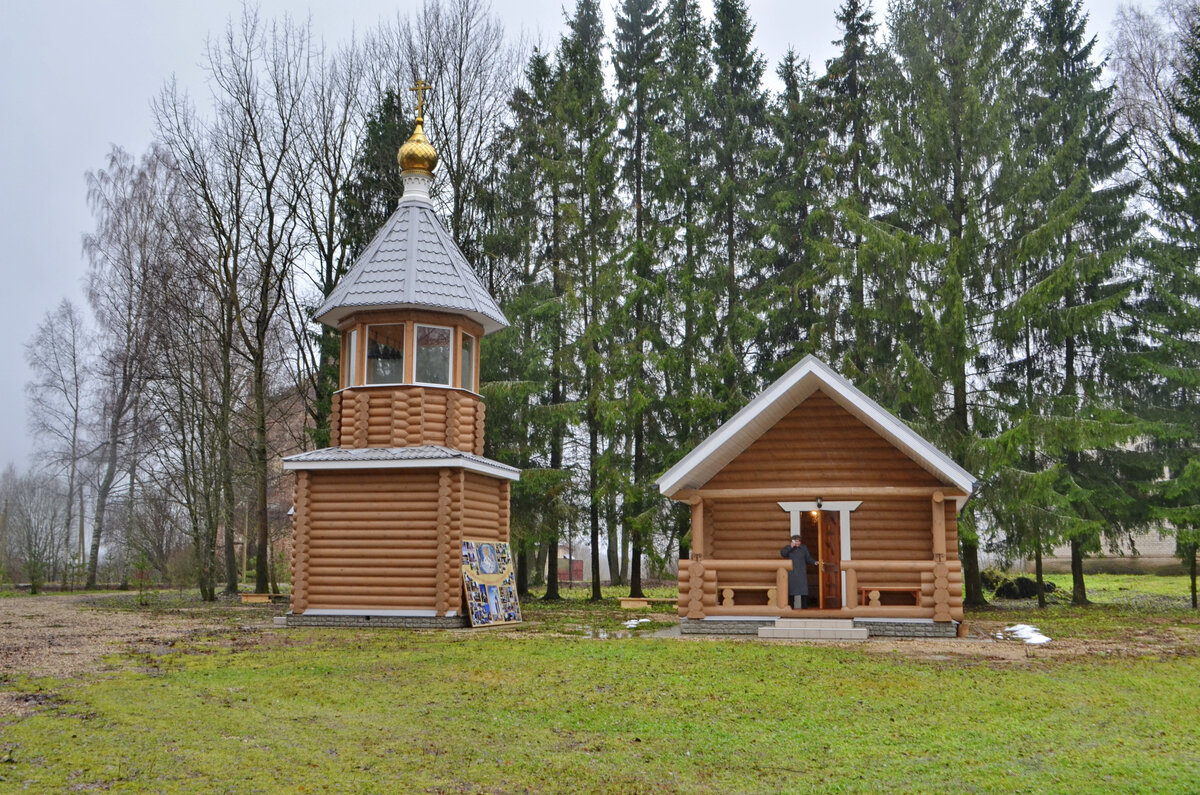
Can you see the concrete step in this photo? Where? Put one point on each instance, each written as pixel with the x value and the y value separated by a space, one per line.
pixel 814 623
pixel 809 633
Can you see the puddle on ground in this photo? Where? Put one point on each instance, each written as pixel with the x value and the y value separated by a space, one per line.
pixel 600 634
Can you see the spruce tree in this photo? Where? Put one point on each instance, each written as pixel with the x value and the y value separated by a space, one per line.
pixel 637 61
pixel 681 187
pixel 588 124
pixel 1171 316
pixel 788 291
pixel 952 96
pixel 1057 474
pixel 738 134
pixel 872 311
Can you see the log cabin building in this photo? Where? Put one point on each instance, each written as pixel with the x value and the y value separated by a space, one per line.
pixel 381 513
pixel 873 501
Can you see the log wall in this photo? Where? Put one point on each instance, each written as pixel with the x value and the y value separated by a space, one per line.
pixel 371 540
pixel 408 416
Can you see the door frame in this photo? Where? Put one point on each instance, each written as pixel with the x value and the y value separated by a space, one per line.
pixel 843 507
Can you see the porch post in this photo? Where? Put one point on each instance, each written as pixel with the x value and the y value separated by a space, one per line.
pixel 941 571
pixel 696 569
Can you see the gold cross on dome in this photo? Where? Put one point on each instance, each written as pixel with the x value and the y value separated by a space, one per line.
pixel 421 87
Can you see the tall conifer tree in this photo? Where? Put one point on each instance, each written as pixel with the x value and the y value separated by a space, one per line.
pixel 954 91
pixel 682 186
pixel 638 63
pixel 588 124
pixel 738 131
pixel 1172 316
pixel 1057 477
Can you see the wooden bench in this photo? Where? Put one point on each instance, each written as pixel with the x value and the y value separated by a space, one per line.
pixel 256 598
pixel 635 602
pixel 868 595
pixel 727 592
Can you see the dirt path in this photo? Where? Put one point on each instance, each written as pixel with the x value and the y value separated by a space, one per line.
pixel 66 636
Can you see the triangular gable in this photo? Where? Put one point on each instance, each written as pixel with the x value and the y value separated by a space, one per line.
pixel 768 408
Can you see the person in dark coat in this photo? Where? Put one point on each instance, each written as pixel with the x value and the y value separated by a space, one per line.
pixel 798 576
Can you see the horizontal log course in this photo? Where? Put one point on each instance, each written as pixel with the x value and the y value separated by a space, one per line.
pixel 359 560
pixel 734 564
pixel 954 602
pixel 407 569
pixel 368 481
pixel 866 565
pixel 401 508
pixel 401 490
pixel 347 592
pixel 356 584
pixel 371 603
pixel 388 544
pixel 742 610
pixel 385 535
pixel 417 537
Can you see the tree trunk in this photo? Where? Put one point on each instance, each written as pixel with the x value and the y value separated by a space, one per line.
pixel 1037 568
pixel 102 492
pixel 522 569
pixel 972 584
pixel 261 568
pixel 1078 588
pixel 540 553
pixel 594 502
pixel 1192 572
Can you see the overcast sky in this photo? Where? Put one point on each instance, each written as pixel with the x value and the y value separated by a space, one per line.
pixel 77 77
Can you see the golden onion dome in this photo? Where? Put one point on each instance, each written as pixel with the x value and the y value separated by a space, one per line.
pixel 417 154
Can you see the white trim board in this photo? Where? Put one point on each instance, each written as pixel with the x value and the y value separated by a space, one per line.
pixel 496 470
pixel 776 401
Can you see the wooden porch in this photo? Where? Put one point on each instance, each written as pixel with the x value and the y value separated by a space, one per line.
pixel 712 586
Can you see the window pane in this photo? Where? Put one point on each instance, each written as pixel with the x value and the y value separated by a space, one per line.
pixel 351 358
pixel 433 355
pixel 468 362
pixel 385 354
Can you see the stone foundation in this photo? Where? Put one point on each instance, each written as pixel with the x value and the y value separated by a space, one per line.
pixel 876 628
pixel 723 627
pixel 916 628
pixel 379 622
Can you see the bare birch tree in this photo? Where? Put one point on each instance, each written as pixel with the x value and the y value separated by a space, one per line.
pixel 259 75
pixel 129 252
pixel 322 165
pixel 58 355
pixel 1145 60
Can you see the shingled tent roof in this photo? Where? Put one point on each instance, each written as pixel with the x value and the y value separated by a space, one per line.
pixel 413 264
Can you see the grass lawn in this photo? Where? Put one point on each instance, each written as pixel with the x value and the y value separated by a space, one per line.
pixel 552 707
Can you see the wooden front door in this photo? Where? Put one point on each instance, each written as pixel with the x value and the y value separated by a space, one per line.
pixel 831 553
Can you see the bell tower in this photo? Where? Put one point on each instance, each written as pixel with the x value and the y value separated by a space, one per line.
pixel 380 514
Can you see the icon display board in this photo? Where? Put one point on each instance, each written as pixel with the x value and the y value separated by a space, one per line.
pixel 490 583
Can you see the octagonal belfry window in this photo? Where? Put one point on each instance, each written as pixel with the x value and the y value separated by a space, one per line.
pixel 385 354
pixel 434 346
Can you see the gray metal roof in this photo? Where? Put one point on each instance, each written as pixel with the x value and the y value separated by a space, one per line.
pixel 429 455
pixel 413 264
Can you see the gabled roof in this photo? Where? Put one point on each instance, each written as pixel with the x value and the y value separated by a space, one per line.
pixel 413 264
pixel 777 401
pixel 421 457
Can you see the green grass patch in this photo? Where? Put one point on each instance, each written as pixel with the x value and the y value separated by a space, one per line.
pixel 548 708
